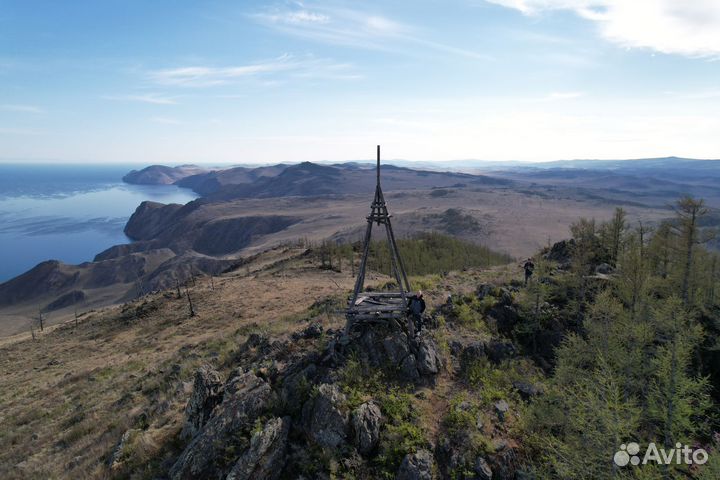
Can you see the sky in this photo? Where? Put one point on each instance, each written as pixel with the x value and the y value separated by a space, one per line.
pixel 179 81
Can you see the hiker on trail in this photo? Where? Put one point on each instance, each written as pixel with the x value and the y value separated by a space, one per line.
pixel 416 307
pixel 529 267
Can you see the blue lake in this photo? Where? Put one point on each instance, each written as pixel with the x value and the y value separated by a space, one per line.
pixel 67 212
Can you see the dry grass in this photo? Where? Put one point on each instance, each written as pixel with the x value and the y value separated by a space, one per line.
pixel 67 398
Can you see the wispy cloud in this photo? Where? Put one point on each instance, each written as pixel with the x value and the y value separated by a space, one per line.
pixel 151 98
pixel 22 109
pixel 298 17
pixel 356 28
pixel 299 67
pixel 690 28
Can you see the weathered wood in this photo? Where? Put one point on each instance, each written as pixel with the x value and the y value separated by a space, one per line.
pixel 378 308
pixel 389 305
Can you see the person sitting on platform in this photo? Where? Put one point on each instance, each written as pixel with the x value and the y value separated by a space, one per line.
pixel 416 307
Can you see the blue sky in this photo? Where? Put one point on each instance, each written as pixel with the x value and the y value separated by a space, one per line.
pixel 173 81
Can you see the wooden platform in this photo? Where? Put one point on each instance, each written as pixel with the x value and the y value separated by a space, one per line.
pixel 378 306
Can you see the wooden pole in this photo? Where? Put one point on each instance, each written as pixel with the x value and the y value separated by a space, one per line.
pixel 378 165
pixel 190 304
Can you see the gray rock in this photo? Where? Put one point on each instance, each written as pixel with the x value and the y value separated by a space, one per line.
pixel 396 348
pixel 265 458
pixel 119 454
pixel 604 269
pixel 498 351
pixel 501 408
pixel 366 421
pixel 325 418
pixel 245 399
pixel 484 290
pixel 409 368
pixel 428 358
pixel 315 330
pixel 506 317
pixel 527 390
pixel 471 353
pixel 206 395
pixel 296 387
pixel 416 466
pixel 482 469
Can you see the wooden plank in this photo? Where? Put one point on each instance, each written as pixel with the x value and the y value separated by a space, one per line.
pixel 377 308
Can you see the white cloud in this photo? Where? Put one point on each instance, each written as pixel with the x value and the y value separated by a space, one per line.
pixel 305 67
pixel 147 98
pixel 22 108
pixel 356 28
pixel 685 27
pixel 299 17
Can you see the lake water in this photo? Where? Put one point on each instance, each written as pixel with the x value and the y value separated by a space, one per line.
pixel 68 212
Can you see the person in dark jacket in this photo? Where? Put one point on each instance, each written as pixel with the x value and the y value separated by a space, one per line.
pixel 416 307
pixel 529 269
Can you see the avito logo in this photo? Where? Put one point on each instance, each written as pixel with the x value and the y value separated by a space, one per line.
pixel 629 454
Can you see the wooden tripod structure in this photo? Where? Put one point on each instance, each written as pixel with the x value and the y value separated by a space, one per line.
pixel 386 306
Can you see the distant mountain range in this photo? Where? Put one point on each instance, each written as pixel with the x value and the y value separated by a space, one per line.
pixel 305 179
pixel 245 210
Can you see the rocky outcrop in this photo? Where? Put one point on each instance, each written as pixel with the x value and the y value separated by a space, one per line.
pixel 325 417
pixel 265 458
pixel 394 351
pixel 427 355
pixel 482 469
pixel 246 397
pixel 207 394
pixel 366 421
pixel 561 252
pixel 417 466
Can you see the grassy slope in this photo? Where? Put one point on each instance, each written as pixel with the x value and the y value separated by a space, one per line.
pixel 67 398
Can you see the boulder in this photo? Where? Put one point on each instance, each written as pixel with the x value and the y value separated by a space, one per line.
pixel 416 466
pixel 119 454
pixel 315 330
pixel 265 458
pixel 604 269
pixel 246 397
pixel 366 421
pixel 506 317
pixel 471 353
pixel 325 418
pixel 206 395
pixel 527 390
pixel 296 387
pixel 396 348
pixel 484 290
pixel 497 351
pixel 561 252
pixel 427 356
pixel 482 469
pixel 501 409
